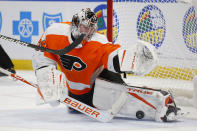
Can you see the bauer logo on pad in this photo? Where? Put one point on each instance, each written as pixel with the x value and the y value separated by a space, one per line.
pixel 48 19
pixel 151 25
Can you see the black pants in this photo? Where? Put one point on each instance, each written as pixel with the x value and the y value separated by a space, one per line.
pixel 5 61
pixel 85 98
pixel 111 76
pixel 88 97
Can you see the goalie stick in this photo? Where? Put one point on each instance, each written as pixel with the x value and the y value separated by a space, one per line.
pixel 57 52
pixel 100 115
pixel 22 80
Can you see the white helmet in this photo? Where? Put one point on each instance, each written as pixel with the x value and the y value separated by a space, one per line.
pixel 84 22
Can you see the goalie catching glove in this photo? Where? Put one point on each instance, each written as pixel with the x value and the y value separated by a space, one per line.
pixel 140 59
pixel 52 84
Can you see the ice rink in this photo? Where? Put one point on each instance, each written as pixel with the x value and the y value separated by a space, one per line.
pixel 19 112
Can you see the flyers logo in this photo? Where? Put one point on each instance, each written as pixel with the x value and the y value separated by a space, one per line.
pixel 72 62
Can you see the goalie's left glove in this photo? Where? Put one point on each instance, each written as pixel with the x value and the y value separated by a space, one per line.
pixel 139 59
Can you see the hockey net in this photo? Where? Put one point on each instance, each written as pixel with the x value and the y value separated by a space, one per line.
pixel 172 28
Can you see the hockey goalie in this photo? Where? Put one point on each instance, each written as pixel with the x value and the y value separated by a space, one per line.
pixel 90 73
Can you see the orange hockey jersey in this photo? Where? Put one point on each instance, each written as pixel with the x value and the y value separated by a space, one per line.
pixel 82 65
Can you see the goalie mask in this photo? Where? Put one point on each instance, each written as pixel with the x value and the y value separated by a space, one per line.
pixel 84 22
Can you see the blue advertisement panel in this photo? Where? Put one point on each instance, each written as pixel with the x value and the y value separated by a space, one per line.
pixel 27 20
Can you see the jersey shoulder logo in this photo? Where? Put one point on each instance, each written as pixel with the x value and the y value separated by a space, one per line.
pixel 72 62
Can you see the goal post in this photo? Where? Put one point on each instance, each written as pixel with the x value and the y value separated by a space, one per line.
pixel 110 20
pixel 169 25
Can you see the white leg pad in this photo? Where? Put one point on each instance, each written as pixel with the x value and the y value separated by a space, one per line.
pixel 136 104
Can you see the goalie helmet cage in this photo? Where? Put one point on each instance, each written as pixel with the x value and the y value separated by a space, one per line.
pixel 171 27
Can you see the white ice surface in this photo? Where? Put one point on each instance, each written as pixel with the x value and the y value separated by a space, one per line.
pixel 18 112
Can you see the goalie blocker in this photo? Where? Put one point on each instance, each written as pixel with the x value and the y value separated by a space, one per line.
pixel 137 103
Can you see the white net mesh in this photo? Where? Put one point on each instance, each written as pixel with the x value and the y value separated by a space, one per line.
pixel 171 28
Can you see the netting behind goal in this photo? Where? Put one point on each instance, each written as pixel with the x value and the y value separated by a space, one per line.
pixel 171 28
